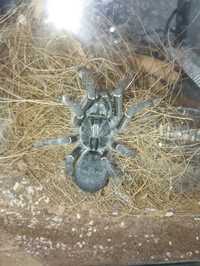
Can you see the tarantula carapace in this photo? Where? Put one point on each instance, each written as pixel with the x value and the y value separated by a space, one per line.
pixel 98 119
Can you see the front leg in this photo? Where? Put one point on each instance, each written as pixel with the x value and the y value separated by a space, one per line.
pixel 88 82
pixel 57 141
pixel 135 109
pixel 118 96
pixel 74 106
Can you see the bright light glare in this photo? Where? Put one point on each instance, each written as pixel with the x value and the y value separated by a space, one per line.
pixel 65 14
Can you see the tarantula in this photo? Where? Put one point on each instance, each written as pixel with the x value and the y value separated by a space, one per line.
pixel 98 119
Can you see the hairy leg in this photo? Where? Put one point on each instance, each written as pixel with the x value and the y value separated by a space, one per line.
pixel 74 106
pixel 57 141
pixel 135 109
pixel 88 82
pixel 116 179
pixel 118 95
pixel 123 150
pixel 70 159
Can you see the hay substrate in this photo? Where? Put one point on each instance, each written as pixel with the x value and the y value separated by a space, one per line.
pixel 38 66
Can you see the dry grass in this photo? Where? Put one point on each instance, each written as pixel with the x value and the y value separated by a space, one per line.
pixel 37 67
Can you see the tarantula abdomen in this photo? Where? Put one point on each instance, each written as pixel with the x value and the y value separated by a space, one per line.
pixel 90 173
